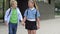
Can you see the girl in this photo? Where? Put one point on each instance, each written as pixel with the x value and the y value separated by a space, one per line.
pixel 31 18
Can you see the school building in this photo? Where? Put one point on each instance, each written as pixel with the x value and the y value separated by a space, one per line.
pixel 46 7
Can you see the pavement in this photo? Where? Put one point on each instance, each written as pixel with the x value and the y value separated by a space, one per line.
pixel 51 26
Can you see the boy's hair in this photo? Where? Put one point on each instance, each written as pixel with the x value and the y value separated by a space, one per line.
pixel 12 1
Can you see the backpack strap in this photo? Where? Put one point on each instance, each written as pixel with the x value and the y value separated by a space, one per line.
pixel 27 13
pixel 36 15
pixel 9 12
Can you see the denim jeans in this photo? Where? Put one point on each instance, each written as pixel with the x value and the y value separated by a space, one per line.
pixel 12 28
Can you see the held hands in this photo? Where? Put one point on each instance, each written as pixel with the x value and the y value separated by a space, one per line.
pixel 23 23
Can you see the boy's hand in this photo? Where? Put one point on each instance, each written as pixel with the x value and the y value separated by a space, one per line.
pixel 6 23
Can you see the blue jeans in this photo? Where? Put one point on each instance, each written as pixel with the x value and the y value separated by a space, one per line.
pixel 12 28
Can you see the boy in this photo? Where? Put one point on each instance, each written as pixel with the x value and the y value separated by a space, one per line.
pixel 12 17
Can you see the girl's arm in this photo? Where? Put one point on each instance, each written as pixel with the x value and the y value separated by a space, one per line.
pixel 38 21
pixel 24 19
pixel 25 14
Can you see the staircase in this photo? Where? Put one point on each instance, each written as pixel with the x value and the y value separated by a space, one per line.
pixel 46 10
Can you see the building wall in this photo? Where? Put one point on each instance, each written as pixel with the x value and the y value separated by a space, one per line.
pixel 46 10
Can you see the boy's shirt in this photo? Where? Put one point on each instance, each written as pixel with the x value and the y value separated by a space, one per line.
pixel 14 18
pixel 19 15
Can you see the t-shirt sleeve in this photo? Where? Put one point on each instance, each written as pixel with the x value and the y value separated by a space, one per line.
pixel 38 13
pixel 25 14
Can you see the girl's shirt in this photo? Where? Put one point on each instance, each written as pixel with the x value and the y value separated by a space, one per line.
pixel 31 13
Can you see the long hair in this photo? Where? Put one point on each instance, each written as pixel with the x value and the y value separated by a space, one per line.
pixel 35 4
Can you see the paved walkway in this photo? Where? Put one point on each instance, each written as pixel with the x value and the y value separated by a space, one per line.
pixel 51 26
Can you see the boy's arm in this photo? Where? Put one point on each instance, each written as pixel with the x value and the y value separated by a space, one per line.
pixel 5 17
pixel 21 18
pixel 20 15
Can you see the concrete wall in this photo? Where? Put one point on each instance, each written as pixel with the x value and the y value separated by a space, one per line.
pixel 46 10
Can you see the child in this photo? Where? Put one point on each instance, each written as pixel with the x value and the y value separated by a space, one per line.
pixel 12 17
pixel 31 18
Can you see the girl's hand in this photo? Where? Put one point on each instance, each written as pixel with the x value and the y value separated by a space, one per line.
pixel 38 26
pixel 38 23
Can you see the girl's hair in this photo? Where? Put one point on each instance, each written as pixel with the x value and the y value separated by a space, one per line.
pixel 33 1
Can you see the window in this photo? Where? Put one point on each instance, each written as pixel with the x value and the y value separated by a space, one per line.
pixel 47 1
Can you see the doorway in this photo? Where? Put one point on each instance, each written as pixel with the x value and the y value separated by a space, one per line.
pixel 22 5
